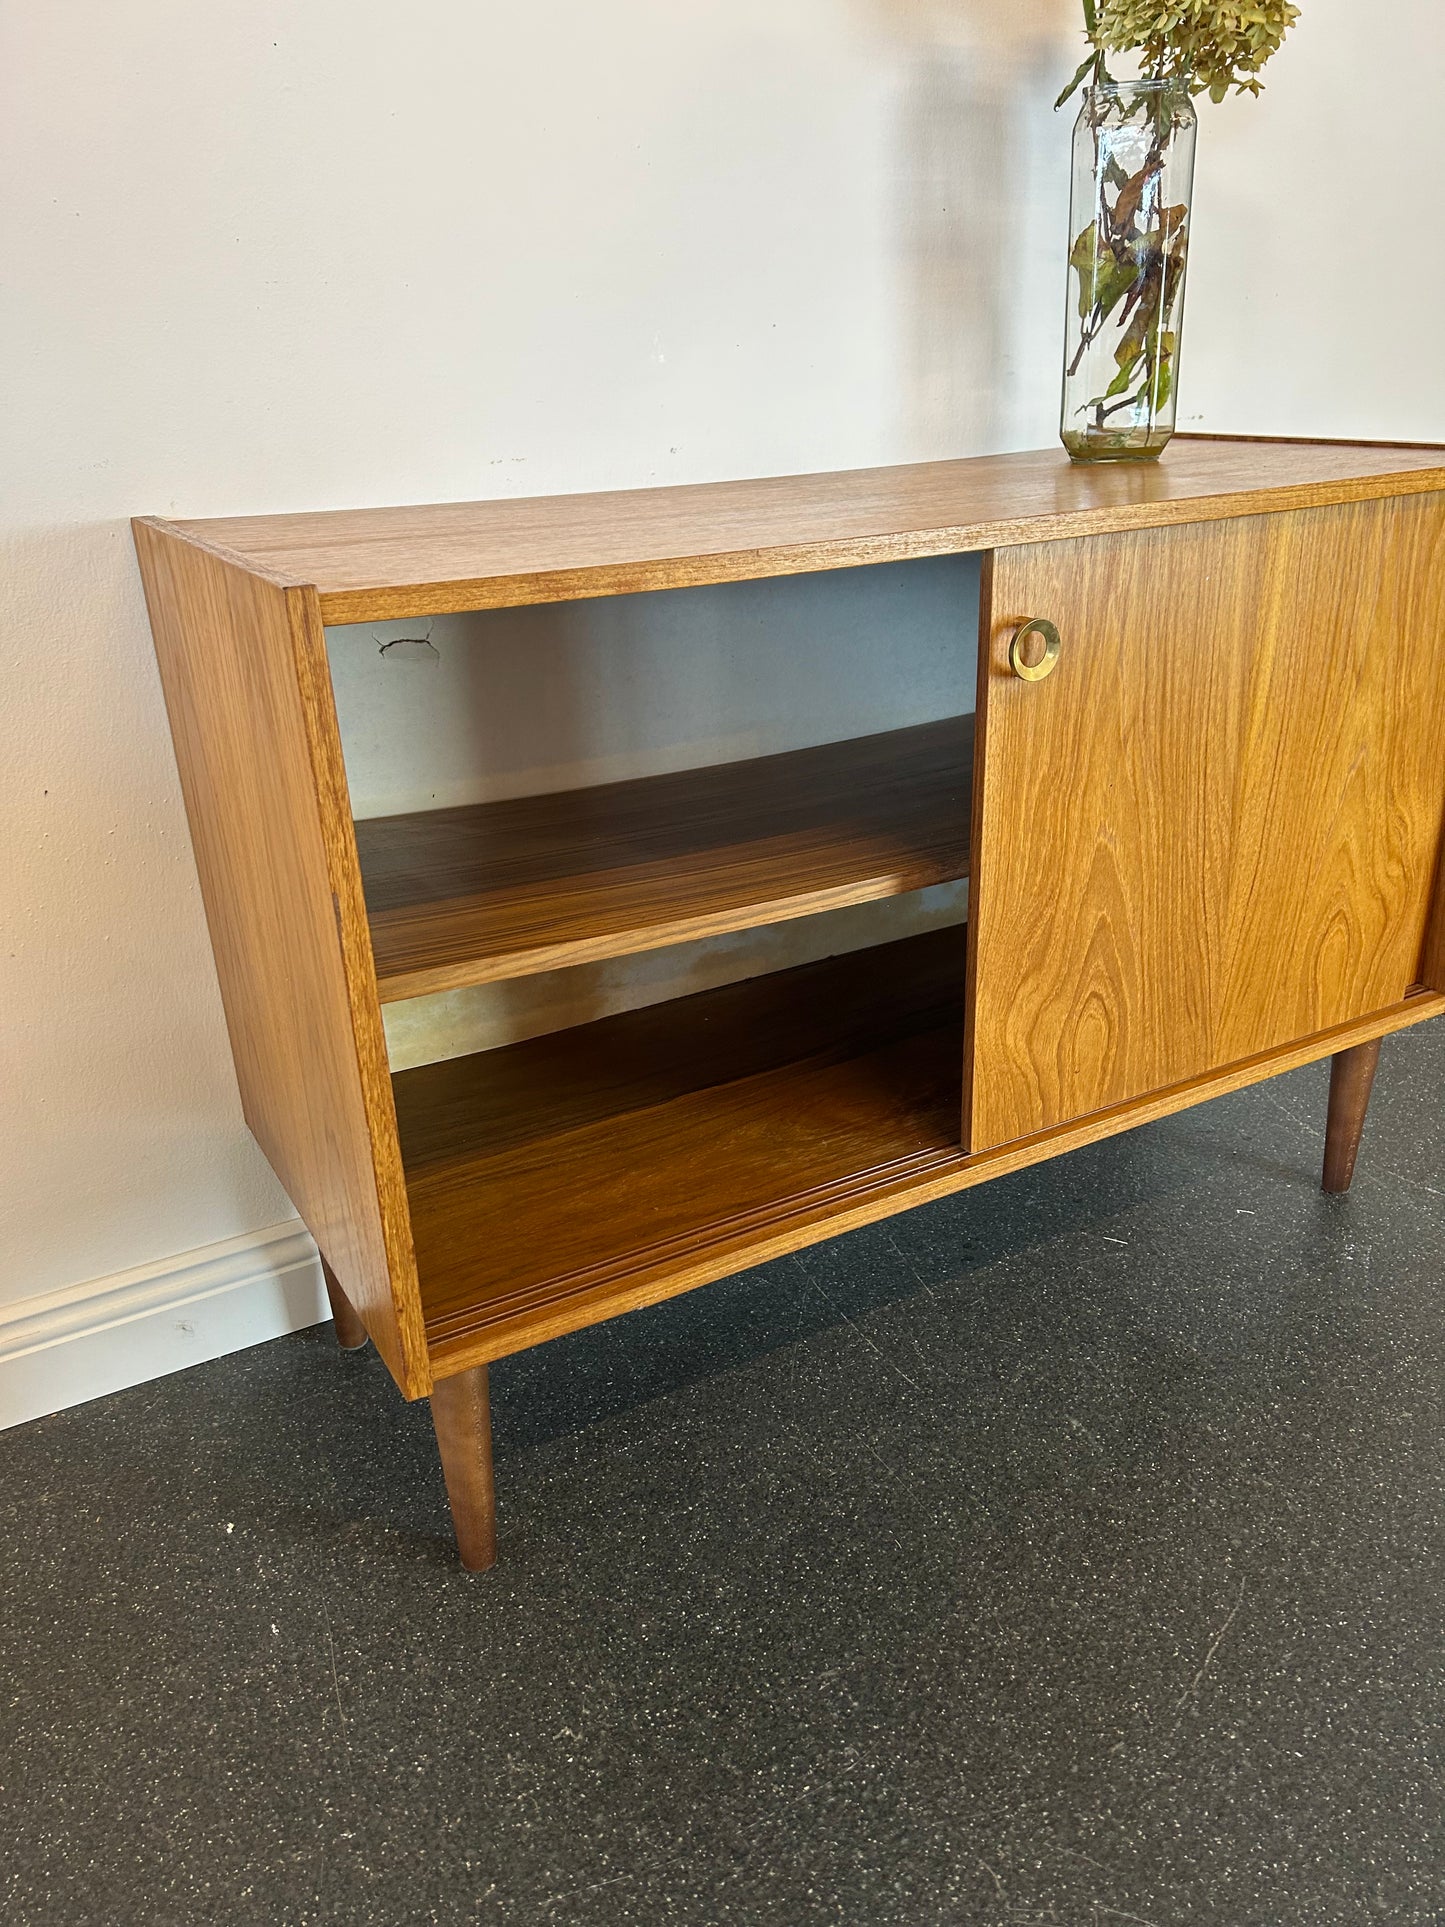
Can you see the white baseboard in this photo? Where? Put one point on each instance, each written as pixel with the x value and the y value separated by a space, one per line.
pixel 88 1340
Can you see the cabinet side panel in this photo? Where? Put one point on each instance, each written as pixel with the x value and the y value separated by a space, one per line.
pixel 255 743
pixel 1214 830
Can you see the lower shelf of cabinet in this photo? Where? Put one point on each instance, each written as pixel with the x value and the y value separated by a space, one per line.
pixel 570 1176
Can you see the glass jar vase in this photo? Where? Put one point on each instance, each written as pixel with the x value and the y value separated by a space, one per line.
pixel 1129 223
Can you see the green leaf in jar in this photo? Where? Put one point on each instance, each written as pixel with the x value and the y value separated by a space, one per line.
pixel 1104 279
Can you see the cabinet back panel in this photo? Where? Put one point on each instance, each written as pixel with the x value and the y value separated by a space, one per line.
pixel 1215 828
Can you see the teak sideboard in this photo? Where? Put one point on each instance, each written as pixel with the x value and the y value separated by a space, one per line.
pixel 1200 809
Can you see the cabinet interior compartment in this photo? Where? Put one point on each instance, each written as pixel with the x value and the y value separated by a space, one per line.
pixel 553 1178
pixel 607 1159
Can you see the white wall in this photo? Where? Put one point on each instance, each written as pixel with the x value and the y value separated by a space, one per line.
pixel 307 253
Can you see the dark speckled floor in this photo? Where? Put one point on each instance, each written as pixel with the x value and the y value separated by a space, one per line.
pixel 1068 1552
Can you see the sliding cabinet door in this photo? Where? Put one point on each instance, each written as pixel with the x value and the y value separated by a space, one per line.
pixel 1212 825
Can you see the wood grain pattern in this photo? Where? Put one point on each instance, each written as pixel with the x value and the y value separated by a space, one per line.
pixel 1213 829
pixel 370 564
pixel 468 896
pixel 1352 1078
pixel 243 666
pixel 809 1145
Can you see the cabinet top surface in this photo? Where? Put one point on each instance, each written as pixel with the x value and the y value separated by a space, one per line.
pixel 370 564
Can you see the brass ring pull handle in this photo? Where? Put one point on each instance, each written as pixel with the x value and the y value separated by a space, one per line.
pixel 1048 662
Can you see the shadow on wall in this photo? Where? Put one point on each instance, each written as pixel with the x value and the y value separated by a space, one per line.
pixel 971 70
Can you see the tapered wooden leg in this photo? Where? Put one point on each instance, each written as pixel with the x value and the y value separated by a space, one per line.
pixel 1352 1078
pixel 350 1332
pixel 462 1414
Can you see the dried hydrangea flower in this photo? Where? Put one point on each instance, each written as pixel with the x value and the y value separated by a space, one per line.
pixel 1212 44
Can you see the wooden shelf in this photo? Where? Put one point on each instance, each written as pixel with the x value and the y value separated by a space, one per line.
pixel 468 896
pixel 586 1171
pixel 370 564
